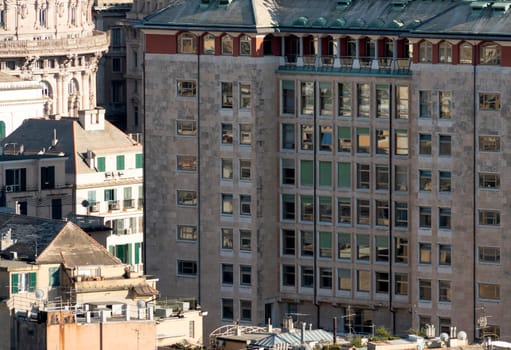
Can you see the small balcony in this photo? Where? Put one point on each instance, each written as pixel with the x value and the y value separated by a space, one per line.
pixel 128 204
pixel 94 207
pixel 114 205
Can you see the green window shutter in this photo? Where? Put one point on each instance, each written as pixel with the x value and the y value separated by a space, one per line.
pixel 120 253
pixel 101 164
pixel 32 281
pixel 14 283
pixel 120 162
pixel 129 259
pixel 54 276
pixel 137 253
pixel 139 160
pixel 306 172
pixel 111 249
pixel 344 132
pixel 344 174
pixel 91 197
pixel 325 173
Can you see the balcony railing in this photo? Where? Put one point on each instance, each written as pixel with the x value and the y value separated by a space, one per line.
pixel 113 205
pixel 363 65
pixel 94 207
pixel 128 203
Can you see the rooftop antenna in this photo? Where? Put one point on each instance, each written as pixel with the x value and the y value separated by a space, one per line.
pixel 348 316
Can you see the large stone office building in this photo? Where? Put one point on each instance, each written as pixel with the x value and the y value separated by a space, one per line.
pixel 331 158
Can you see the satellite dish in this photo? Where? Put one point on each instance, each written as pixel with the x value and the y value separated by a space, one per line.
pixel 140 304
pixel 462 335
pixel 444 337
pixel 39 293
pixel 85 203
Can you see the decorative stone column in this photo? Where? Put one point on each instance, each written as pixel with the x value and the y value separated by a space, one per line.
pixel 375 64
pixel 356 60
pixel 299 59
pixel 337 46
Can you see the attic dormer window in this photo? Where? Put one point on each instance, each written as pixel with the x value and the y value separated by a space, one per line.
pixel 187 43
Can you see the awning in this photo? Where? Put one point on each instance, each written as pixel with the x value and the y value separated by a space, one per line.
pixel 144 290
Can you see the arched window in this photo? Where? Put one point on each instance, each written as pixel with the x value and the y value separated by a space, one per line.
pixel 466 53
pixel 208 44
pixel 490 54
pixel 72 87
pixel 187 43
pixel 425 52
pixel 227 45
pixel 46 89
pixel 445 52
pixel 268 45
pixel 42 17
pixel 245 45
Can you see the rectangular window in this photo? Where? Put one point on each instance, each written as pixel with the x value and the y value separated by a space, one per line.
pixel 382 213
pixel 382 282
pixel 344 175
pixel 489 291
pixel 100 164
pixel 325 99
pixel 245 240
pixel 56 208
pixel 363 100
pixel 187 198
pixel 307 137
pixel 363 176
pixel 288 275
pixel 344 139
pixel 245 96
pixel 325 138
pixel 226 134
pixel 363 247
pixel 288 242
pixel 344 246
pixel 227 169
pixel 344 100
pixel 401 284
pixel 444 325
pixel 227 274
pixel 489 181
pixel 139 160
pixel 401 138
pixel 325 245
pixel 245 170
pixel 288 206
pixel 245 275
pixel 288 136
pixel 382 176
pixel 401 219
pixel 120 162
pixel 116 65
pixel 54 277
pixel 226 95
pixel 187 268
pixel 344 279
pixel 16 180
pixel 444 145
pixel 401 178
pixel 306 243
pixel 489 217
pixel 325 174
pixel 444 254
pixel 489 143
pixel 307 208
pixel 382 101
pixel 425 144
pixel 382 141
pixel 245 205
pixel 425 104
pixel 227 204
pixel 227 238
pixel 381 248
pixel 425 217
pixel 344 211
pixel 47 177
pixel 187 163
pixel 444 291
pixel 425 253
pixel 401 250
pixel 490 255
pixel 306 172
pixel 444 218
pixel 307 97
pixel 445 104
pixel 402 102
pixel 227 309
pixel 363 281
pixel 307 277
pixel 489 101
pixel 288 171
pixel 23 282
pixel 186 233
pixel 444 181
pixel 425 180
pixel 245 310
pixel 425 289
pixel 186 127
pixel 363 140
pixel 186 88
pixel 245 134
pixel 288 97
pixel 325 209
pixel 363 212
pixel 325 278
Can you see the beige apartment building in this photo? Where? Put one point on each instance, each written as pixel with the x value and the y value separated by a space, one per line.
pixel 330 159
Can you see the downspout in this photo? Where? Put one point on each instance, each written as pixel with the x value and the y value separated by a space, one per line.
pixel 199 261
pixel 144 245
pixel 314 213
pixel 474 194
pixel 391 221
